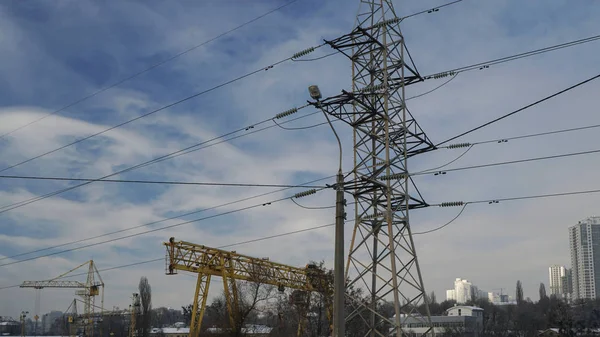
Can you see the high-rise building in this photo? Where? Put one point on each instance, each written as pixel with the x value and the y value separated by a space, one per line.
pixel 556 274
pixel 567 285
pixel 450 295
pixel 464 291
pixel 585 260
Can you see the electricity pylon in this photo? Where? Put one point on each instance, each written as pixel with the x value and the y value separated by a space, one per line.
pixel 382 258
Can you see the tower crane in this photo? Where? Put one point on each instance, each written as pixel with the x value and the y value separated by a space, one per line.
pixel 88 290
pixel 231 266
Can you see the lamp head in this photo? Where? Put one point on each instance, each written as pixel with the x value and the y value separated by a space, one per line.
pixel 314 91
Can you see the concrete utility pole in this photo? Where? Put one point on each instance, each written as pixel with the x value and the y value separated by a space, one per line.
pixel 23 315
pixel 339 289
pixel 339 277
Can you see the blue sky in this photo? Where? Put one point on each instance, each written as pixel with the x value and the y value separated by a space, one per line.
pixel 52 53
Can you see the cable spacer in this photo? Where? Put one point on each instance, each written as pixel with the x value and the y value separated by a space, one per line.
pixel 457 146
pixel 286 113
pixel 452 204
pixel 303 52
pixel 304 194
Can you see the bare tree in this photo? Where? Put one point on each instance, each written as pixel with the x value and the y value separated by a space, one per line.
pixel 543 295
pixel 519 293
pixel 145 319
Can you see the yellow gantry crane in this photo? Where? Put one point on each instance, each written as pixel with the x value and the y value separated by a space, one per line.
pixel 231 266
pixel 88 291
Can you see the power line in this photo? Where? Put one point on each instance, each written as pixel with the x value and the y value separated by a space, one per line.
pixel 186 150
pixel 489 201
pixel 519 110
pixel 312 208
pixel 203 92
pixel 297 195
pixel 432 90
pixel 496 201
pixel 508 162
pixel 551 195
pixel 125 79
pixel 157 222
pixel 502 141
pixel 431 10
pixel 220 247
pixel 486 64
pixel 448 163
pixel 444 225
pixel 158 182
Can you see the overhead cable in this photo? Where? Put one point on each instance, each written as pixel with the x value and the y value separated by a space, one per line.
pixel 444 225
pixel 203 92
pixel 470 145
pixel 155 65
pixel 162 259
pixel 250 129
pixel 487 64
pixel 158 182
pixel 496 201
pixel 520 109
pixel 526 197
pixel 297 195
pixel 507 162
pixel 179 216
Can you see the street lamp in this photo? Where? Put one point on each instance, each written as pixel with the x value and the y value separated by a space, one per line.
pixel 339 284
pixel 315 93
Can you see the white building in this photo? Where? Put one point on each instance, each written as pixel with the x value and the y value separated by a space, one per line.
pixel 450 295
pixel 464 291
pixel 556 275
pixel 584 258
pixel 170 332
pixel 464 320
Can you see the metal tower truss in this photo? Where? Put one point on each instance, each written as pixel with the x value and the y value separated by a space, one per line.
pixel 382 258
pixel 93 287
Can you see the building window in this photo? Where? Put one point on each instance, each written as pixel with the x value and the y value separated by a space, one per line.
pixel 459 312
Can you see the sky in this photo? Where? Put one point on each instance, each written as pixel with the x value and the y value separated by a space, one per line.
pixel 54 53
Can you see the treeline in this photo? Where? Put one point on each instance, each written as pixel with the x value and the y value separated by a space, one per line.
pixel 527 318
pixel 263 304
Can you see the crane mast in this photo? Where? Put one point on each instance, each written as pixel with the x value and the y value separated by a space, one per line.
pixel 94 286
pixel 231 266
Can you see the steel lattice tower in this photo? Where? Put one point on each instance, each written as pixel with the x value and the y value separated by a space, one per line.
pixel 382 258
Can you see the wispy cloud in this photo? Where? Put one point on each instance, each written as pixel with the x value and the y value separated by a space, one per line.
pixel 50 55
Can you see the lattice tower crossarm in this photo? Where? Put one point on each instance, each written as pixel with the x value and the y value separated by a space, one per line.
pixel 382 257
pixel 231 266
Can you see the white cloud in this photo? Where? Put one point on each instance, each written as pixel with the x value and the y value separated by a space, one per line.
pixel 494 245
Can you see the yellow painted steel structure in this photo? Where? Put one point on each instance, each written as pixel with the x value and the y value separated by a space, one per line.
pixel 231 266
pixel 94 286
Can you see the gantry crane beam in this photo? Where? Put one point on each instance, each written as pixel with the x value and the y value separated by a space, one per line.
pixel 231 266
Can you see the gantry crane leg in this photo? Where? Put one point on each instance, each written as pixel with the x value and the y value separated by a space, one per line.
pixel 199 307
pixel 232 300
